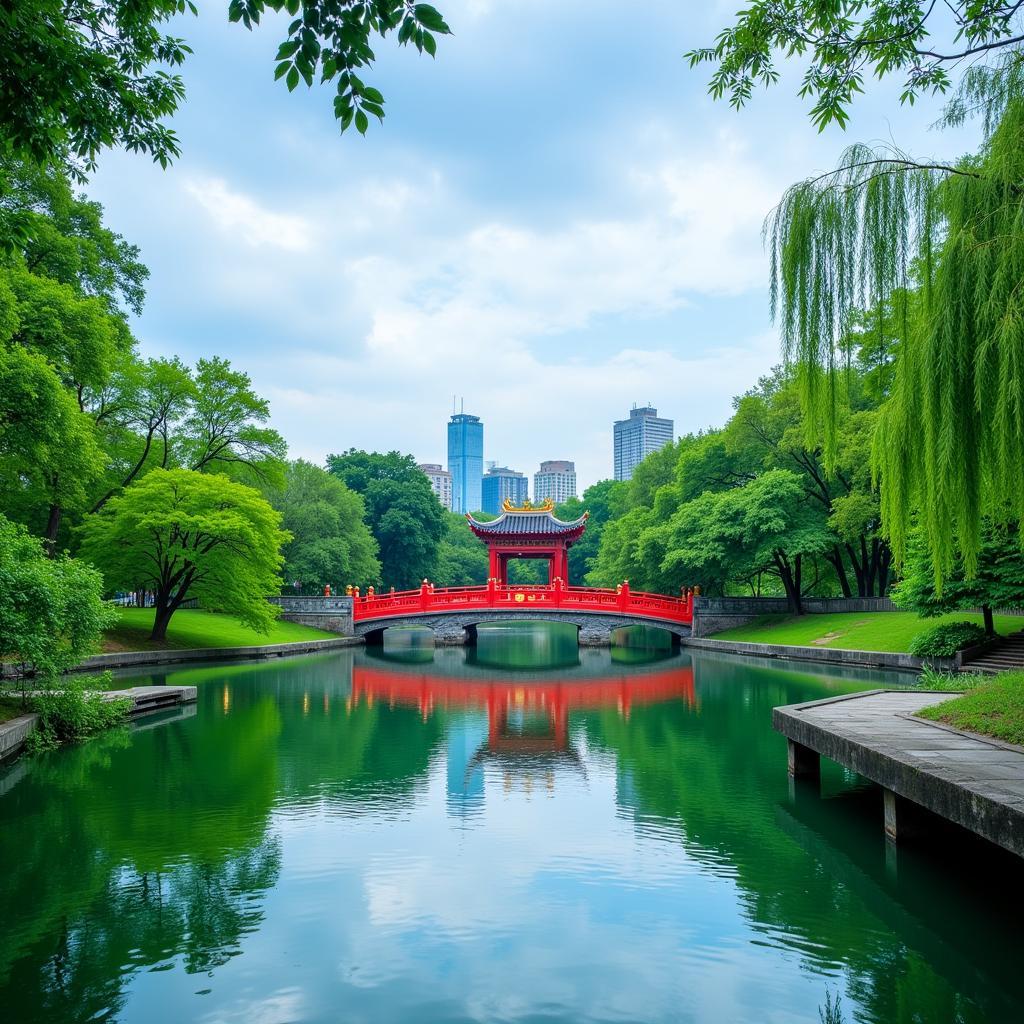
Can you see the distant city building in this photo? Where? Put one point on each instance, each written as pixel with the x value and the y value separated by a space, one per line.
pixel 555 480
pixel 501 483
pixel 441 482
pixel 466 461
pixel 644 432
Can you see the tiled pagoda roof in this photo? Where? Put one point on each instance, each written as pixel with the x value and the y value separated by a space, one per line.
pixel 527 522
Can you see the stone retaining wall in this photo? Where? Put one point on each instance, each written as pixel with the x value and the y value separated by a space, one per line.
pixel 828 655
pixel 331 614
pixel 714 614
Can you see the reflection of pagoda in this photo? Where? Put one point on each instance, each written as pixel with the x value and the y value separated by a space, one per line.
pixel 527 722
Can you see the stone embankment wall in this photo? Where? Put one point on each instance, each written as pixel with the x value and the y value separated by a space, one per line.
pixel 331 614
pixel 713 614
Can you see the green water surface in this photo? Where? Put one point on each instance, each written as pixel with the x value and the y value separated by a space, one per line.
pixel 520 832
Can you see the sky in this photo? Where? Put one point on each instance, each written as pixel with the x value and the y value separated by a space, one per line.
pixel 554 223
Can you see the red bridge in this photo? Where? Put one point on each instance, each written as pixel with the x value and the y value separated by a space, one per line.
pixel 519 600
pixel 525 532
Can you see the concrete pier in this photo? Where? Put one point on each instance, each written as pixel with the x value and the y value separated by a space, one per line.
pixel 145 699
pixel 971 780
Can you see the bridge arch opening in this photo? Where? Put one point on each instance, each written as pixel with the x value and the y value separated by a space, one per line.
pixel 646 637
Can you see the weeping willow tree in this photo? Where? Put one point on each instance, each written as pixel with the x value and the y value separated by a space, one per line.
pixel 942 247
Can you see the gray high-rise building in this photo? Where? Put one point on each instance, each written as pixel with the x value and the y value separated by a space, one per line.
pixel 500 483
pixel 440 482
pixel 466 461
pixel 644 432
pixel 555 480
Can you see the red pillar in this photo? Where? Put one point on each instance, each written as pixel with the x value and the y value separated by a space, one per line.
pixel 492 563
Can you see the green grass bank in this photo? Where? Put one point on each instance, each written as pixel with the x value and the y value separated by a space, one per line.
pixel 993 708
pixel 862 631
pixel 192 628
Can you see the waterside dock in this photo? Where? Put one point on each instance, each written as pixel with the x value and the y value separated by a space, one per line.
pixel 974 781
pixel 145 699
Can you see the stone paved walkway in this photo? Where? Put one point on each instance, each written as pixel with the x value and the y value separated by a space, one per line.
pixel 976 782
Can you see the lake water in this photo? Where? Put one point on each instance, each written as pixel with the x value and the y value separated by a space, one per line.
pixel 523 832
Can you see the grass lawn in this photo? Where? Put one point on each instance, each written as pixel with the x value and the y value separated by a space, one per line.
pixel 10 707
pixel 863 631
pixel 994 708
pixel 196 628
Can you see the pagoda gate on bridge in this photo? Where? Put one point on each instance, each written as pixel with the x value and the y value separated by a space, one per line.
pixel 528 531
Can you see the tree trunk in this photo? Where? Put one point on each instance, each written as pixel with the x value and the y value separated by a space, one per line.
pixel 52 529
pixel 792 588
pixel 161 619
pixel 990 626
pixel 836 559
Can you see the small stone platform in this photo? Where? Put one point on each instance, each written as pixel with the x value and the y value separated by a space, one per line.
pixel 145 699
pixel 971 780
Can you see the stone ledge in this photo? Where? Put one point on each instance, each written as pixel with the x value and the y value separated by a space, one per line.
pixel 145 700
pixel 825 655
pixel 131 659
pixel 967 779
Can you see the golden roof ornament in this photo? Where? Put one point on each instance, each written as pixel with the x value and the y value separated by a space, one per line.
pixel 547 505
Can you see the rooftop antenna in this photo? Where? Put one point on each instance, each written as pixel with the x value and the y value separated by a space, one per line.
pixel 453 405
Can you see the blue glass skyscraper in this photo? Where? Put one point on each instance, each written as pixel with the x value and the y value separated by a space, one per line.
pixel 466 461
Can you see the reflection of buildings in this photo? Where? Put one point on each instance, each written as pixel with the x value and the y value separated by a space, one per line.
pixel 525 725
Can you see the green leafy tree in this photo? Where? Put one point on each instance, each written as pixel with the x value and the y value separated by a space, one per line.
pixel 997 583
pixel 184 534
pixel 404 514
pixel 769 428
pixel 937 244
pixel 93 74
pixel 603 501
pixel 846 41
pixel 222 430
pixel 330 541
pixel 52 613
pixel 766 526
pixel 462 559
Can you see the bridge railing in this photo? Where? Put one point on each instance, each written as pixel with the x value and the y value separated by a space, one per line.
pixel 495 596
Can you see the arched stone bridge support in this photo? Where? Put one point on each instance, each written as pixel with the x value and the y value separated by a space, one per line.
pixel 460 628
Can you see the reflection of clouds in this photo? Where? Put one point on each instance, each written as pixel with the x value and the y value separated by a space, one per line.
pixel 280 1007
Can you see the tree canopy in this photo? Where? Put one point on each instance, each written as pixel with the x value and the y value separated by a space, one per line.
pixel 846 41
pixel 185 534
pixel 86 75
pixel 52 612
pixel 330 541
pixel 930 252
pixel 403 512
pixel 998 581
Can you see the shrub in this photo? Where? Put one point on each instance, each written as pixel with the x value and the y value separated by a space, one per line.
pixel 945 640
pixel 74 710
pixel 937 679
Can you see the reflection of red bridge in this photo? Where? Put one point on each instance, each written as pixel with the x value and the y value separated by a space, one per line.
pixel 552 700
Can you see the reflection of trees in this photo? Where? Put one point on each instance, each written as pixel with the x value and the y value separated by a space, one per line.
pixel 129 851
pixel 719 772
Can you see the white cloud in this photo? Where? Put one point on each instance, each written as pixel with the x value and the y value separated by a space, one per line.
pixel 239 216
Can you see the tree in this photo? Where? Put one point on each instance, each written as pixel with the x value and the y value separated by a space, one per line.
pixel 764 526
pixel 52 612
pixel 769 427
pixel 461 558
pixel 847 40
pixel 185 534
pixel 222 431
pixel 93 74
pixel 330 541
pixel 997 583
pixel 403 512
pixel 940 244
pixel 603 501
